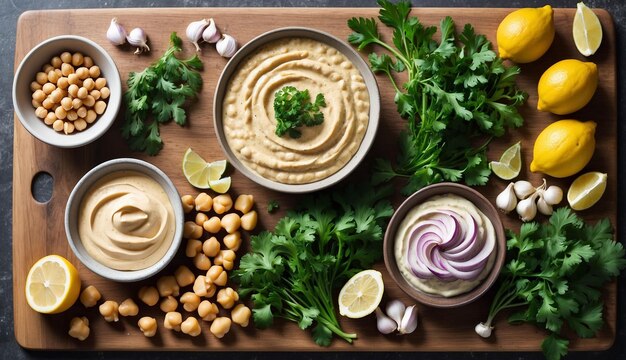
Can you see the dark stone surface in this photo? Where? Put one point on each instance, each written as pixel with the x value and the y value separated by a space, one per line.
pixel 9 13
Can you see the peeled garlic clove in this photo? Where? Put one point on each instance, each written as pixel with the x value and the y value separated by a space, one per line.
pixel 553 195
pixel 506 200
pixel 226 46
pixel 523 189
pixel 395 310
pixel 211 34
pixel 116 33
pixel 137 37
pixel 384 323
pixel 543 206
pixel 194 31
pixel 409 320
pixel 527 209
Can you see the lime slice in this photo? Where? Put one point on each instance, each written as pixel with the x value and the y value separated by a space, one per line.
pixel 586 190
pixel 587 30
pixel 220 186
pixel 510 163
pixel 196 169
pixel 361 295
pixel 216 169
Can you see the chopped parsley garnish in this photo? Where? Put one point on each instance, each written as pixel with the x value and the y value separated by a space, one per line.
pixel 293 109
pixel 272 206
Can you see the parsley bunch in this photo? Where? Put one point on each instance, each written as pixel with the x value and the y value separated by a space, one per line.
pixel 556 271
pixel 158 93
pixel 293 108
pixel 457 92
pixel 292 272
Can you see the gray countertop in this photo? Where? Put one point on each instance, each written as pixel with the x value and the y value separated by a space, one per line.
pixel 11 10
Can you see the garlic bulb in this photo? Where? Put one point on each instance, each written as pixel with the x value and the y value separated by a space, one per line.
pixel 116 33
pixel 384 323
pixel 543 206
pixel 483 330
pixel 409 320
pixel 211 34
pixel 137 37
pixel 553 195
pixel 194 31
pixel 527 209
pixel 395 310
pixel 523 189
pixel 226 46
pixel 507 200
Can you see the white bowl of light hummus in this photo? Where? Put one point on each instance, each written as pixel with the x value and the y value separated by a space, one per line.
pixel 306 59
pixel 445 245
pixel 124 220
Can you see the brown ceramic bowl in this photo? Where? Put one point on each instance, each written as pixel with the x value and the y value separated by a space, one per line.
pixel 416 199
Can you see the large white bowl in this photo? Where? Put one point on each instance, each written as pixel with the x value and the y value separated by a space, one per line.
pixel 33 62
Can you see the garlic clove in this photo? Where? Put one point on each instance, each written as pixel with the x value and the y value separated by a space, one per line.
pixel 553 195
pixel 116 33
pixel 527 209
pixel 483 330
pixel 384 323
pixel 395 310
pixel 211 34
pixel 194 31
pixel 409 320
pixel 544 207
pixel 523 189
pixel 226 46
pixel 506 200
pixel 137 37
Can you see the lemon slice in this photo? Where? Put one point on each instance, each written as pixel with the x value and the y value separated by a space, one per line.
pixel 221 186
pixel 216 169
pixel 361 295
pixel 510 163
pixel 196 169
pixel 587 30
pixel 52 285
pixel 586 190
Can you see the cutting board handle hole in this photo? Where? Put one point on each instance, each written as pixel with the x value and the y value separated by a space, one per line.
pixel 41 187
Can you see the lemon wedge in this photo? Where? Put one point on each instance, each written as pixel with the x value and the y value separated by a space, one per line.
pixel 586 190
pixel 52 285
pixel 362 294
pixel 587 30
pixel 196 169
pixel 510 163
pixel 221 186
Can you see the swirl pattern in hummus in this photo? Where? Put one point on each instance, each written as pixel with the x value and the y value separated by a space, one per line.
pixel 248 112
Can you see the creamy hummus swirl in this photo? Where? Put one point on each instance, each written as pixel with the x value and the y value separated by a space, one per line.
pixel 249 119
pixel 126 221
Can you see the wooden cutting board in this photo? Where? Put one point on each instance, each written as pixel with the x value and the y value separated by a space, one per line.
pixel 38 227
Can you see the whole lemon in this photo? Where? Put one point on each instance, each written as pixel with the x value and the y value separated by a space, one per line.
pixel 564 148
pixel 526 34
pixel 567 86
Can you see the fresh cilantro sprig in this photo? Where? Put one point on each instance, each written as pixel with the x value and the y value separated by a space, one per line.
pixel 457 92
pixel 293 108
pixel 556 272
pixel 292 272
pixel 157 95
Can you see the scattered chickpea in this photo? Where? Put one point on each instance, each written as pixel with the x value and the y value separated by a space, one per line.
pixel 211 247
pixel 216 275
pixel 226 258
pixel 203 202
pixel 172 321
pixel 190 301
pixel 241 315
pixel 66 57
pixel 167 285
pixel 220 327
pixel 188 203
pixel 212 225
pixel 231 222
pixel 191 230
pixel 58 125
pixel 202 288
pixel 168 304
pixel 68 128
pixel 41 78
pixel 207 311
pixel 109 310
pixel 222 203
pixel 41 112
pixel 194 246
pixel 184 276
pixel 244 203
pixel 201 261
pixel 233 241
pixel 79 328
pixel 87 62
pixel 148 326
pixel 128 308
pixel 201 218
pixel 90 296
pixel 227 297
pixel 249 220
pixel 149 295
pixel 191 327
pixel 94 71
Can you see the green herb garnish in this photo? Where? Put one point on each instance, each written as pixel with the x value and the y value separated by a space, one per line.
pixel 457 92
pixel 556 271
pixel 157 95
pixel 292 272
pixel 272 206
pixel 293 108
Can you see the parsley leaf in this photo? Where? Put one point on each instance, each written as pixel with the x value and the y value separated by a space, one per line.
pixel 293 108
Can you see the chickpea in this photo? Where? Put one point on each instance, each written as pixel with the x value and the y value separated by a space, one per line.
pixel 222 203
pixel 66 57
pixel 201 288
pixel 233 241
pixel 191 327
pixel 194 246
pixel 58 72
pixel 47 103
pixel 91 116
pixel 216 275
pixel 172 321
pixel 80 124
pixel 104 93
pixel 94 71
pixel 68 128
pixel 191 230
pixel 67 69
pixel 207 311
pixel 41 112
pixel 95 94
pixel 168 304
pixel 89 101
pixel 201 218
pixel 100 83
pixel 188 203
pixel 56 62
pixel 212 225
pixel 34 86
pixel 35 103
pixel 128 308
pixel 167 285
pixel 203 202
pixel 227 297
pixel 249 220
pixel 149 295
pixel 58 125
pixel 82 93
pixel 60 113
pixel 148 326
pixel 231 222
pixel 56 96
pixel 73 79
pixel 81 110
pixel 211 247
pixel 244 203
pixel 41 78
pixel 220 327
pixel 39 95
pixel 201 261
pixel 83 73
pixel 48 88
pixel 72 115
pixel 190 301
pixel 109 310
pixel 90 296
pixel 79 328
pixel 226 258
pixel 184 276
pixel 87 62
pixel 63 83
pixel 89 84
pixel 77 59
pixel 241 315
pixel 66 102
pixel 72 90
pixel 53 77
pixel 50 118
pixel 47 68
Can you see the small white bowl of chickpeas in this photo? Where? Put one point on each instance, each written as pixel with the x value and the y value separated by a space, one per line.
pixel 67 91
